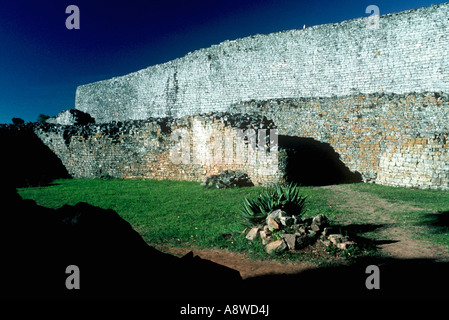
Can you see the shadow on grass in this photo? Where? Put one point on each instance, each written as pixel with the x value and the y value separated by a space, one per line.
pixel 38 244
pixel 357 228
pixel 398 278
pixel 356 233
pixel 437 222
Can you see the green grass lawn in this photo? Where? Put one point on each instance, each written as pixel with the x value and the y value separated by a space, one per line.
pixel 435 200
pixel 177 213
pixel 431 217
pixel 184 213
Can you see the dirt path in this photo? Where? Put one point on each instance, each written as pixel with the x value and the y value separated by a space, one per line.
pixel 367 208
pixel 363 208
pixel 237 261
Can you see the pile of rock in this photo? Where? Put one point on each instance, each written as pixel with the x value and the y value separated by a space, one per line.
pixel 228 179
pixel 290 232
pixel 71 117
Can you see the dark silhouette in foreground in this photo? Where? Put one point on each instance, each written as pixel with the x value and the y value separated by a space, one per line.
pixel 398 279
pixel 26 160
pixel 38 244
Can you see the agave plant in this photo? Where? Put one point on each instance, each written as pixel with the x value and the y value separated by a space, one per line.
pixel 288 198
pixel 254 211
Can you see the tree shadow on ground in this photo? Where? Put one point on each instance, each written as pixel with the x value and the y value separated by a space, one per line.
pixel 313 163
pixel 355 232
pixel 437 222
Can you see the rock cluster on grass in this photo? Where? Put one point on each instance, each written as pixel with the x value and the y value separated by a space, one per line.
pixel 228 179
pixel 284 232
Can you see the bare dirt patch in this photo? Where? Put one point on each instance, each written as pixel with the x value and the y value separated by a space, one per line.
pixel 247 267
pixel 361 207
pixel 367 208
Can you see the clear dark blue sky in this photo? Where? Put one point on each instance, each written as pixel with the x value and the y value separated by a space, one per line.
pixel 42 62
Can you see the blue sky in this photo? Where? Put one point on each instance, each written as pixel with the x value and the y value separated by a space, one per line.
pixel 42 62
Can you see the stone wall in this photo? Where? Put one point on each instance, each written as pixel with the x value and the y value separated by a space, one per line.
pixel 416 162
pixel 189 148
pixel 406 53
pixel 389 139
pixel 373 101
pixel 365 129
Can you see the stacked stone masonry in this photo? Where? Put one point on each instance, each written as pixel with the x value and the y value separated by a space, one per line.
pixel 406 53
pixel 377 96
pixel 421 162
pixel 368 130
pixel 398 140
pixel 154 149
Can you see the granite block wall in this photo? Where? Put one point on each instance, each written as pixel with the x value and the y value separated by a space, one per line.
pixel 391 139
pixel 367 130
pixel 378 97
pixel 416 162
pixel 406 53
pixel 189 148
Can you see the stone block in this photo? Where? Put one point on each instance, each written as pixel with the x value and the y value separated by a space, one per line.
pixel 345 245
pixel 290 240
pixel 278 215
pixel 253 233
pixel 272 224
pixel 266 237
pixel 336 238
pixel 321 221
pixel 276 246
pixel 314 227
